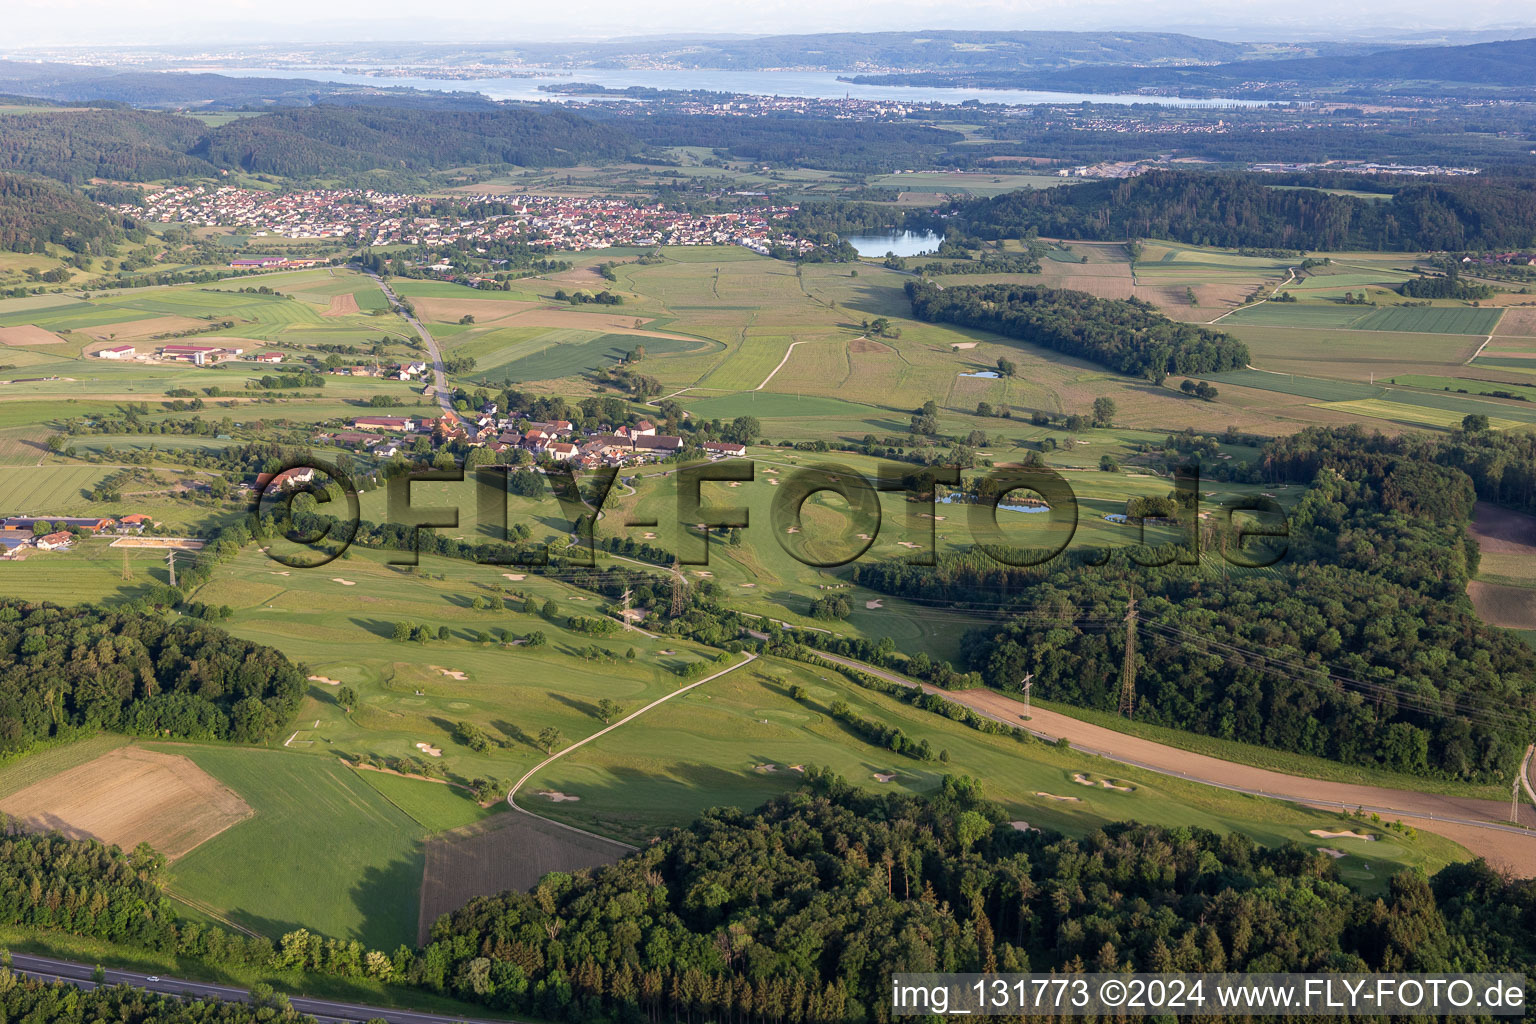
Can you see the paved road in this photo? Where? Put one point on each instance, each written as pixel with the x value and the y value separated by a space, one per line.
pixel 49 969
pixel 439 377
pixel 1479 825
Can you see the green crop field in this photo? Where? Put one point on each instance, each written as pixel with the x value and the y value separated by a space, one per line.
pixel 1408 319
pixel 325 850
pixel 1415 415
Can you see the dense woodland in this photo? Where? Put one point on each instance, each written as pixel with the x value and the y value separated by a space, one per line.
pixel 85 667
pixel 1127 335
pixel 41 1002
pixel 802 910
pixel 34 212
pixel 1240 210
pixel 1359 646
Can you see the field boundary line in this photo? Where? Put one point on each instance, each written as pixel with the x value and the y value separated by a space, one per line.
pixel 530 773
pixel 1484 345
pixel 1289 270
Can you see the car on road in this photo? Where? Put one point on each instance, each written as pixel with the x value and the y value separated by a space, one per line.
pixel 152 978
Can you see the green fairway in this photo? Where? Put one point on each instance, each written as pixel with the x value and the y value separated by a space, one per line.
pixel 739 740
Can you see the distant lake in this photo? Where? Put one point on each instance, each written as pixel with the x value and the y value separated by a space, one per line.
pixel 811 84
pixel 902 243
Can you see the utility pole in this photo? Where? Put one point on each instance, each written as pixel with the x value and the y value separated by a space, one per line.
pixel 627 624
pixel 1128 670
pixel 1026 682
pixel 1514 802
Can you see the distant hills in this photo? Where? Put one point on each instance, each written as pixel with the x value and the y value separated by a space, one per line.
pixel 1426 70
pixel 142 145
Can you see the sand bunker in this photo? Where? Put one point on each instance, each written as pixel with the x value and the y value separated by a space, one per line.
pixel 797 768
pixel 1110 785
pixel 876 603
pixel 1065 799
pixel 883 777
pixel 1081 779
pixel 345 583
pixel 1323 833
pixel 555 796
pixel 1330 851
pixel 962 344
pixel 1022 826
pixel 749 584
pixel 514 576
pixel 285 572
pixel 327 680
pixel 766 769
pixel 452 673
pixel 429 750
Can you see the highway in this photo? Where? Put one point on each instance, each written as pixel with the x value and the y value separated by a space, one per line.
pixel 50 969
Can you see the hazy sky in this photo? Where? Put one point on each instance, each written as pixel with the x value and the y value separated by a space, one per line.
pixel 98 22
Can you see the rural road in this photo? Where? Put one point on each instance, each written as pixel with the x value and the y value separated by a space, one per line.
pixel 1478 825
pixel 49 969
pixel 440 378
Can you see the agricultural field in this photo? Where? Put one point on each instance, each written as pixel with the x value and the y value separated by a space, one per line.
pixel 1406 319
pixel 129 796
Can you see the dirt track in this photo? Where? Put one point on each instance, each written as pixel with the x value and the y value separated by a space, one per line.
pixel 1474 829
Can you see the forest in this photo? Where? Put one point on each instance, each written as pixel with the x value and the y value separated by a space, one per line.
pixel 85 667
pixel 750 916
pixel 1360 646
pixel 41 1002
pixel 747 915
pixel 34 212
pixel 1126 335
pixel 1240 210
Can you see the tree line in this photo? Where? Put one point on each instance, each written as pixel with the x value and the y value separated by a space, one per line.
pixel 87 668
pixel 1127 335
pixel 1235 210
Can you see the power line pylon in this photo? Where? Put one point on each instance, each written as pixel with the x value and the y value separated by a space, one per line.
pixel 1128 669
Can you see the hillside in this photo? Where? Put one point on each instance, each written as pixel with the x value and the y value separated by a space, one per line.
pixel 1241 210
pixel 34 211
pixel 139 145
pixel 1425 70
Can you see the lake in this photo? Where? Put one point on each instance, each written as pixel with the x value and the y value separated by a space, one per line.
pixel 810 84
pixel 902 243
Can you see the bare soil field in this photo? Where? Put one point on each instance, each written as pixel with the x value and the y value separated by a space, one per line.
pixel 344 304
pixel 1518 321
pixel 868 345
pixel 1499 531
pixel 131 330
pixel 509 851
pixel 485 311
pixel 130 796
pixel 1500 605
pixel 28 334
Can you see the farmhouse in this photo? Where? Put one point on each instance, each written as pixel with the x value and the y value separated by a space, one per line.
pixel 660 442
pixel 117 352
pixel 404 424
pixel 724 449
pixel 55 541
pixel 284 480
pixel 268 357
pixel 197 355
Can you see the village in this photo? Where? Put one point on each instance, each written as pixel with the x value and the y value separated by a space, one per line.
pixel 509 439
pixel 367 217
